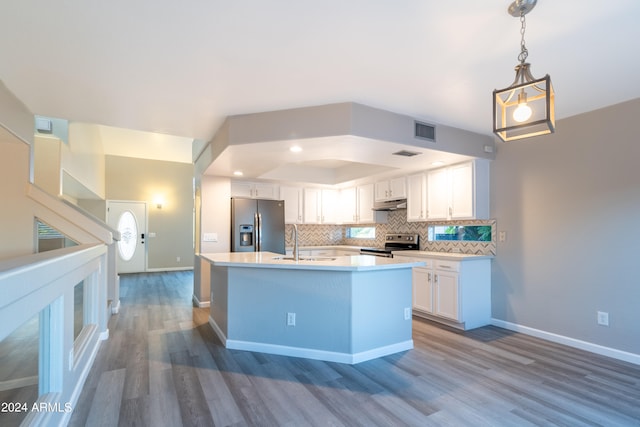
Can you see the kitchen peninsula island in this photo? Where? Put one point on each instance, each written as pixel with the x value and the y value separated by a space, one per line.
pixel 346 309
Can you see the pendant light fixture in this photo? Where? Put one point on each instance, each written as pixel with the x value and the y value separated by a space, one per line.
pixel 526 108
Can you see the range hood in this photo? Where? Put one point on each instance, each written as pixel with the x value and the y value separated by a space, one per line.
pixel 390 205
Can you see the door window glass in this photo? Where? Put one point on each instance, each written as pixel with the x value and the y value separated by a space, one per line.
pixel 128 235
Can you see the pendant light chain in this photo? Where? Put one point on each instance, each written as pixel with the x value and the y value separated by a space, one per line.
pixel 523 49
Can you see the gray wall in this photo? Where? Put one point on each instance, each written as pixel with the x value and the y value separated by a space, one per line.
pixel 139 179
pixel 570 204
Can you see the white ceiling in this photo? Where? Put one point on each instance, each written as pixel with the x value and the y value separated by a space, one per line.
pixel 179 68
pixel 330 160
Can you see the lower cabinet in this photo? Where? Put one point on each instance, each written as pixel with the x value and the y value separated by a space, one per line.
pixel 422 290
pixel 456 293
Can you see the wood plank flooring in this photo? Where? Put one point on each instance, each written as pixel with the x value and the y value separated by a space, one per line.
pixel 164 366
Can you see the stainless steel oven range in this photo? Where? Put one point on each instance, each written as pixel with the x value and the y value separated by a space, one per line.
pixel 394 242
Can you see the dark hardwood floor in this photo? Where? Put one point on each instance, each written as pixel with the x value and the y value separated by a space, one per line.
pixel 163 366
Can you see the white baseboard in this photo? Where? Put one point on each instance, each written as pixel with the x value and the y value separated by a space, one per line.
pixel 218 331
pixel 115 308
pixel 198 303
pixel 311 353
pixel 156 270
pixel 571 342
pixel 75 394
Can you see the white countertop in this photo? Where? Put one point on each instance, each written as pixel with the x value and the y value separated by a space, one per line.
pixel 450 256
pixel 338 263
pixel 324 247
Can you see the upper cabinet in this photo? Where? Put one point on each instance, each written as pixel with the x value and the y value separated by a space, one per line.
pixel 349 205
pixel 320 206
pixel 293 204
pixel 312 205
pixel 357 206
pixel 365 212
pixel 459 191
pixel 254 190
pixel 438 190
pixel 330 206
pixel 417 197
pixel 391 189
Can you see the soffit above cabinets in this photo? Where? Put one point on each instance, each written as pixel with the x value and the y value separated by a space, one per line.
pixel 362 143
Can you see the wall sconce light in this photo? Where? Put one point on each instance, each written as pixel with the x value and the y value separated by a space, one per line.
pixel 158 201
pixel 526 108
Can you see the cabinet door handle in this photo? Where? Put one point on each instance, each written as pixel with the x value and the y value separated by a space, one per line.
pixel 444 266
pixel 429 277
pixel 435 278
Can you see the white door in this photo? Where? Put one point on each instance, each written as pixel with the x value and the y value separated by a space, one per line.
pixel 416 200
pixel 446 295
pixel 462 191
pixel 130 219
pixel 365 203
pixel 438 194
pixel 422 290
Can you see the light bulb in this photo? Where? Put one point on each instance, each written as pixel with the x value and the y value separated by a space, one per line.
pixel 522 113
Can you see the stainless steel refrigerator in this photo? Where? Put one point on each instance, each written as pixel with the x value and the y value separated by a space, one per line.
pixel 257 225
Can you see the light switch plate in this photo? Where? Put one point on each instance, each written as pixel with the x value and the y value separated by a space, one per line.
pixel 210 237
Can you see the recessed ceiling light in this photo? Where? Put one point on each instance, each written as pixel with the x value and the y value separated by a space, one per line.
pixel 437 163
pixel 237 173
pixel 295 149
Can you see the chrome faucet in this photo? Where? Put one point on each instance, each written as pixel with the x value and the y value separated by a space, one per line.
pixel 296 248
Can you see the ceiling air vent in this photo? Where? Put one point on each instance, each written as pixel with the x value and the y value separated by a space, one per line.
pixel 425 131
pixel 405 153
pixel 44 125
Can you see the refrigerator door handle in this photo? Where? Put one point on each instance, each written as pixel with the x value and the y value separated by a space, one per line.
pixel 258 227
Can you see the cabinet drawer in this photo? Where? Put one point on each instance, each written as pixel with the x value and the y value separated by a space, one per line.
pixel 446 265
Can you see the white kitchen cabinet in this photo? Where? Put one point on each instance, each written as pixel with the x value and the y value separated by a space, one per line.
pixel 438 194
pixel 392 189
pixel 445 295
pixel 459 191
pixel 349 205
pixel 456 293
pixel 293 204
pixel 254 190
pixel 312 205
pixel 330 212
pixel 321 206
pixel 422 289
pixel 417 197
pixel 364 205
pixel 462 191
pixel 356 205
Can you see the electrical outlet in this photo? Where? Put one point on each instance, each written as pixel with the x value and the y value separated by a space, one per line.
pixel 177 259
pixel 502 236
pixel 603 318
pixel 407 313
pixel 291 319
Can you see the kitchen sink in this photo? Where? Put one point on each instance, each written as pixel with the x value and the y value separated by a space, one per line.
pixel 304 258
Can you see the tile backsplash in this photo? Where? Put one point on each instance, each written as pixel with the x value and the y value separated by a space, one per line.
pixel 322 234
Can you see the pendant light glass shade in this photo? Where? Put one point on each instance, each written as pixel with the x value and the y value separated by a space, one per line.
pixel 524 109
